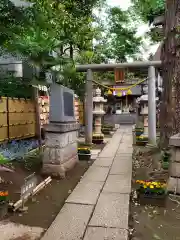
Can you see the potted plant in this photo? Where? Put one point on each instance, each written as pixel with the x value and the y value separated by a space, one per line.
pixel 98 139
pixel 139 131
pixel 84 154
pixel 151 192
pixel 165 159
pixel 142 139
pixel 107 129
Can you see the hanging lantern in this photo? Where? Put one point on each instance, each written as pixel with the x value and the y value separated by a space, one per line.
pixel 124 93
pixel 129 92
pixel 119 94
pixel 109 92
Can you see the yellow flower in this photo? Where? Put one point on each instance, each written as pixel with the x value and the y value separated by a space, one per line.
pixel 145 186
pixel 151 186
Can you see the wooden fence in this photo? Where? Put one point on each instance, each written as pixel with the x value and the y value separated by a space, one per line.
pixel 17 118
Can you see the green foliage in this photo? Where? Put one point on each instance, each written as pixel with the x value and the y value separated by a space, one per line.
pixel 11 19
pixel 122 40
pixel 67 29
pixel 148 9
pixel 11 86
pixel 3 160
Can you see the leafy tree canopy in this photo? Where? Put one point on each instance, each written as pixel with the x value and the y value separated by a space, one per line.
pixel 148 9
pixel 122 39
pixel 52 33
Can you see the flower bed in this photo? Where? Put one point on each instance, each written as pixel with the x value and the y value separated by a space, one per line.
pixel 84 154
pixel 3 203
pixel 151 193
pixel 139 131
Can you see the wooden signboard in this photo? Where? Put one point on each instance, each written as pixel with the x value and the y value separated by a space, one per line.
pixel 119 75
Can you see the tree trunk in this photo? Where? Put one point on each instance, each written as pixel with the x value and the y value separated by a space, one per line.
pixel 170 56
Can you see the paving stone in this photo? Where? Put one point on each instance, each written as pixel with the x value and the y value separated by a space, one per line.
pixel 99 233
pixel 125 151
pixel 122 157
pixel 70 223
pixel 104 162
pixel 111 211
pixel 96 174
pixel 85 193
pixel 123 166
pixel 109 152
pixel 118 184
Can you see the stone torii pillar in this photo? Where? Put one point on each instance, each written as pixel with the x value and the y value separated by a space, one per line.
pixel 152 105
pixel 89 107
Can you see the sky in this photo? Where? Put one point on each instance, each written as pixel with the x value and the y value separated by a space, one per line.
pixel 124 4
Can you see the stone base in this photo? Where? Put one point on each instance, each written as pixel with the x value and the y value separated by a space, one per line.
pixel 174 171
pixel 60 153
pixel 59 171
pixel 173 185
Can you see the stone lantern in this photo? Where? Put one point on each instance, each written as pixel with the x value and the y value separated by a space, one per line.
pixel 144 113
pixel 98 112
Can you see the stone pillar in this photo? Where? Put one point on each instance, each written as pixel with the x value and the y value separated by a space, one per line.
pixel 89 108
pixel 60 153
pixel 152 105
pixel 174 171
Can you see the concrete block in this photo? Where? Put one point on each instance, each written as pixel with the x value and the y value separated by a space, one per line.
pixel 172 184
pixel 175 154
pixel 96 174
pixel 175 140
pixel 175 169
pixel 99 233
pixel 70 223
pixel 85 193
pixel 59 155
pixel 111 211
pixel 118 184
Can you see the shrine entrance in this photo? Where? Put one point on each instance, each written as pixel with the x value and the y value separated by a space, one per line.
pixel 149 67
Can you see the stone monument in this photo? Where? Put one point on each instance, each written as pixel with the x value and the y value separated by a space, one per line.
pixel 60 153
pixel 98 112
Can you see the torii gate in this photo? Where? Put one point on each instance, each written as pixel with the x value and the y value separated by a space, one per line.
pixel 90 68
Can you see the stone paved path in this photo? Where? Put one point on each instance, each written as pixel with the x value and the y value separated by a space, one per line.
pixel 98 207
